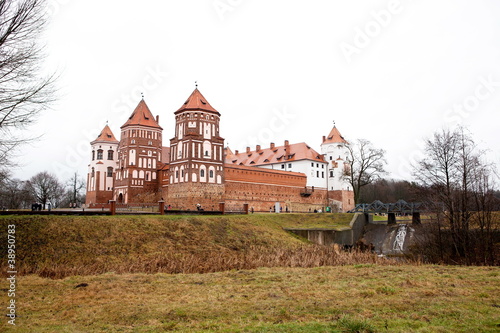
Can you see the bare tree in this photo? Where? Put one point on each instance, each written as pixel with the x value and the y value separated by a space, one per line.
pixel 46 188
pixel 24 93
pixel 458 184
pixel 75 187
pixel 366 165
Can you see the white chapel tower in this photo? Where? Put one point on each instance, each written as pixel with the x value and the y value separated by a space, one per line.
pixel 335 149
pixel 102 167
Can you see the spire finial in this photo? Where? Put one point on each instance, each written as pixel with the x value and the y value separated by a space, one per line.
pixel 106 123
pixel 196 84
pixel 334 123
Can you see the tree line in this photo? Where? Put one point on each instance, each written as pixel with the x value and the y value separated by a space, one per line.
pixel 43 188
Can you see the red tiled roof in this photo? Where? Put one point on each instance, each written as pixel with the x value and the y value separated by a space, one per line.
pixel 106 135
pixel 195 102
pixel 335 137
pixel 281 154
pixel 142 116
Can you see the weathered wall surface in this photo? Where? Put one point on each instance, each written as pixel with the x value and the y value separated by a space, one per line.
pixel 345 197
pixel 186 196
pixel 341 237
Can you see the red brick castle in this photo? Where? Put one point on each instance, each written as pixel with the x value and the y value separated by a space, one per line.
pixel 196 169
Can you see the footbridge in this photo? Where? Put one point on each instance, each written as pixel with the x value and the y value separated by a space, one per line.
pixel 391 209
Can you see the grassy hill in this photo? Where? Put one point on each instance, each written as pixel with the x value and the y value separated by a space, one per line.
pixel 58 246
pixel 87 274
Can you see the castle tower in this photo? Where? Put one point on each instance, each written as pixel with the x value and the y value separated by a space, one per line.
pixel 101 168
pixel 196 156
pixel 335 149
pixel 136 179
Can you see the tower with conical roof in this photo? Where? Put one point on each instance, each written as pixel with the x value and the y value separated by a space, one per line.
pixel 101 168
pixel 335 150
pixel 196 156
pixel 139 157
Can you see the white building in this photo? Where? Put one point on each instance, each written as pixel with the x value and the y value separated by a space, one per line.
pixel 323 171
pixel 336 153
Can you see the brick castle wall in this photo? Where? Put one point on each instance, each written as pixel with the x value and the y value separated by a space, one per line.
pixel 346 198
pixel 186 196
pixel 262 188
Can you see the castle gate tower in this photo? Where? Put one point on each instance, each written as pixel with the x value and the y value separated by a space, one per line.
pixel 196 156
pixel 136 179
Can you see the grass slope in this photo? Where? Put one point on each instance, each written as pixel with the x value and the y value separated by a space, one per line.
pixel 59 246
pixel 356 298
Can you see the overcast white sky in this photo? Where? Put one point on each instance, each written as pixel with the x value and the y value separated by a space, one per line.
pixel 392 72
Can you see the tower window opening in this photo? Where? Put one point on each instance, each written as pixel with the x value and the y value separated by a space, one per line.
pixel 110 172
pixel 93 155
pixel 110 154
pixel 99 154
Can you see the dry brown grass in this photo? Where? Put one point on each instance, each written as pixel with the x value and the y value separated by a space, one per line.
pixel 404 298
pixel 214 261
pixel 57 247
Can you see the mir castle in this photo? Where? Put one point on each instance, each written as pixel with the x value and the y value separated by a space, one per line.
pixel 196 170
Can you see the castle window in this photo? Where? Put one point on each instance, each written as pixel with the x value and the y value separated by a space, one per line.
pixel 93 172
pixel 317 174
pixel 110 172
pixel 289 165
pixel 202 173
pixel 282 166
pixel 312 164
pixel 132 142
pixel 323 174
pixel 322 166
pixel 99 154
pixel 211 174
pixel 331 173
pixel 331 158
pixel 110 154
pixel 93 155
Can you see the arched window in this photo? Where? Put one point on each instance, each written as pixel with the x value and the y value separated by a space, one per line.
pixel 93 172
pixel 110 154
pixel 202 173
pixel 211 174
pixel 110 172
pixel 93 155
pixel 99 154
